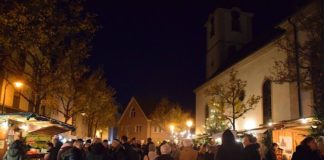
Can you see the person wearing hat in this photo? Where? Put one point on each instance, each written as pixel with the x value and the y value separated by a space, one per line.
pixel 117 153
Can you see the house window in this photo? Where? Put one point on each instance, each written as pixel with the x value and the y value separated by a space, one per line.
pixel 157 129
pixel 236 24
pixel 138 128
pixel 16 100
pixel 212 25
pixel 266 101
pixel 132 113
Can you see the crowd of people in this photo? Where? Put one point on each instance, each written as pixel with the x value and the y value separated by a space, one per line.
pixel 125 149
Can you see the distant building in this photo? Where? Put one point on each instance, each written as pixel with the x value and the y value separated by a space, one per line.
pixel 230 46
pixel 134 123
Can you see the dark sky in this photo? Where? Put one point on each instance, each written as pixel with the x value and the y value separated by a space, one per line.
pixel 156 48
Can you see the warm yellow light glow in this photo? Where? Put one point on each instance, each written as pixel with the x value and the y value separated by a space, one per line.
pixel 4 125
pixel 189 123
pixel 24 127
pixel 98 134
pixel 270 124
pixel 18 84
pixel 249 124
pixel 303 120
pixel 171 128
pixel 83 114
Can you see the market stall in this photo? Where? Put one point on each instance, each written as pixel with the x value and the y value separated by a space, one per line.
pixel 34 129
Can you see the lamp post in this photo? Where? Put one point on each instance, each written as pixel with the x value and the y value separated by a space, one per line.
pixel 16 85
pixel 171 129
pixel 189 125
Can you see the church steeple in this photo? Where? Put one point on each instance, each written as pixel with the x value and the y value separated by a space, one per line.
pixel 227 31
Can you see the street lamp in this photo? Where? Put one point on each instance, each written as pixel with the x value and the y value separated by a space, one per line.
pixel 18 84
pixel 171 128
pixel 189 125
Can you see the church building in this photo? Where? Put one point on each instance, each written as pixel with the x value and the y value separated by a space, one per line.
pixel 231 45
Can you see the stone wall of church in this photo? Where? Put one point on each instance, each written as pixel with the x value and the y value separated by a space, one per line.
pixel 255 69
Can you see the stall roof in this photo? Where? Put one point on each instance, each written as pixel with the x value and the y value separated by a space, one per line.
pixel 47 124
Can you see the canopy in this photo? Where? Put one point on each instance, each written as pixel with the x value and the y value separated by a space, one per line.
pixel 42 124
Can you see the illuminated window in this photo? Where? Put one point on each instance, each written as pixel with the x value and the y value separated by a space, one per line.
pixel 138 128
pixel 132 113
pixel 236 24
pixel 266 101
pixel 156 129
pixel 16 100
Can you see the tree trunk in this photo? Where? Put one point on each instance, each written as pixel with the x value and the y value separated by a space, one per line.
pixel 37 105
pixel 90 124
pixel 233 117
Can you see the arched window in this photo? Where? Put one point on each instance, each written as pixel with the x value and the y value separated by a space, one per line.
pixel 266 101
pixel 236 24
pixel 132 113
pixel 206 111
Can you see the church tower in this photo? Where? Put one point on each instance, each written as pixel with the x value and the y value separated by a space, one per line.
pixel 227 31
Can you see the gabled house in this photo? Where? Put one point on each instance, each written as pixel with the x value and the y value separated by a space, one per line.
pixel 134 123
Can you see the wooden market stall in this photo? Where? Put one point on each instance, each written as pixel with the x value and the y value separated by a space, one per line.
pixel 35 130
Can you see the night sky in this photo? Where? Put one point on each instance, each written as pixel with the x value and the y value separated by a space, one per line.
pixel 154 49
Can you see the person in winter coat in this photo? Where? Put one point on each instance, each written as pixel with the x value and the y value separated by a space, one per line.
pixel 147 145
pixel 188 153
pixel 50 150
pixel 77 151
pixel 97 151
pixel 57 144
pixel 320 142
pixel 165 152
pixel 117 153
pixel 151 152
pixel 17 151
pixel 271 154
pixel 175 152
pixel 307 150
pixel 65 152
pixel 203 150
pixel 131 153
pixel 229 150
pixel 251 148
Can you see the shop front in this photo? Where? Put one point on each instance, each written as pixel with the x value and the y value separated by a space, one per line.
pixel 287 134
pixel 33 129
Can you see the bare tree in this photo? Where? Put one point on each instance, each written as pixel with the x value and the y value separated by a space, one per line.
pixel 305 56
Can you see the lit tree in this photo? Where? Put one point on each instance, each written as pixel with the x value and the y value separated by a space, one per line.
pixel 100 106
pixel 228 99
pixel 305 57
pixel 167 113
pixel 215 123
